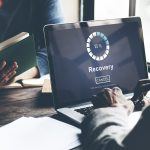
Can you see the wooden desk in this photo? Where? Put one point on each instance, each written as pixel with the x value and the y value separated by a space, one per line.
pixel 15 103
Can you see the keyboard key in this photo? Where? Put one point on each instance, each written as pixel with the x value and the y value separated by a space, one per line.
pixel 85 111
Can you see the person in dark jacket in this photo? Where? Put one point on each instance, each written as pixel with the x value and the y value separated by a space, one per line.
pixel 30 16
pixel 107 127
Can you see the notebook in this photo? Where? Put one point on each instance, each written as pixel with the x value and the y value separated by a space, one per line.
pixel 21 49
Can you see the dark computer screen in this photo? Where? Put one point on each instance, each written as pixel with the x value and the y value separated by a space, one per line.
pixel 85 59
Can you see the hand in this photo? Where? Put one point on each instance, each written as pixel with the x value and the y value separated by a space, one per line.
pixel 112 98
pixel 7 73
pixel 1 3
pixel 140 92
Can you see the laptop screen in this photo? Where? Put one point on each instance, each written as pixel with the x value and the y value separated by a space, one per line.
pixel 88 56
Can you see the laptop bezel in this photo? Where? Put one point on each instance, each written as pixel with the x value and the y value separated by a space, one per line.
pixel 53 27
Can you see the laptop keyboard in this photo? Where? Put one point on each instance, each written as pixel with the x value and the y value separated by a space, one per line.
pixel 85 111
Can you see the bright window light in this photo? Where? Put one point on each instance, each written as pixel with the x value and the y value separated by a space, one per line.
pixel 143 10
pixel 107 9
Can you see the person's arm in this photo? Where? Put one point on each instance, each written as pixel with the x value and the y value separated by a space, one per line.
pixel 138 137
pixel 47 12
pixel 42 62
pixel 105 128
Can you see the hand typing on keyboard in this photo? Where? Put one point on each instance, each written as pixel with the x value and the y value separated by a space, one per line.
pixel 111 98
pixel 114 97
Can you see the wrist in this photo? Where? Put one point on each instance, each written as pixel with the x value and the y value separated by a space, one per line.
pixel 128 106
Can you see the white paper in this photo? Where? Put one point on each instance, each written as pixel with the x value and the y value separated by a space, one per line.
pixel 38 134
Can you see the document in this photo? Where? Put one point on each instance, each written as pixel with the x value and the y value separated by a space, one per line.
pixel 38 134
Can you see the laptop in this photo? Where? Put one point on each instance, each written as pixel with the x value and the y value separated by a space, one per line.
pixel 86 57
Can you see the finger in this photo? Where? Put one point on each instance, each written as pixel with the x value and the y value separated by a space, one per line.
pixel 15 65
pixel 8 73
pixel 8 78
pixel 11 80
pixel 101 99
pixel 118 95
pixel 117 90
pixel 2 65
pixel 109 96
pixel 11 69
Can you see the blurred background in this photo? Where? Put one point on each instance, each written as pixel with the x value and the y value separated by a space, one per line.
pixel 80 10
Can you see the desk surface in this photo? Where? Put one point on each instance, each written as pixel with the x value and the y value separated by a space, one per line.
pixel 15 103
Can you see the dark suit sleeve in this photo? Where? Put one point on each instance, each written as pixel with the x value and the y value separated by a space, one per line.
pixel 105 129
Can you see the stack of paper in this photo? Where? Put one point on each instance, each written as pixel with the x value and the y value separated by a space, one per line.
pixel 38 134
